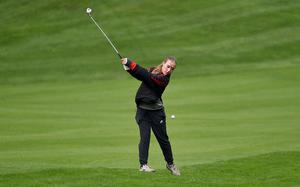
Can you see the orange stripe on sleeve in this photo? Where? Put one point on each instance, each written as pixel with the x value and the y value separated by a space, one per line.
pixel 132 65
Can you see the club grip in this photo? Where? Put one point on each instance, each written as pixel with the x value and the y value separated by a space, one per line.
pixel 120 56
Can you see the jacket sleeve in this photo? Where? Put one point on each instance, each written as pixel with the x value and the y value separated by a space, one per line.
pixel 143 74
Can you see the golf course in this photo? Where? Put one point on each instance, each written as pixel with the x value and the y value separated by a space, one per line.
pixel 67 111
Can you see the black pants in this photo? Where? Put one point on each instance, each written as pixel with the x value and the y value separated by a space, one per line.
pixel 155 120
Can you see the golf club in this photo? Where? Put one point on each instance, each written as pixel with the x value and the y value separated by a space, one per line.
pixel 89 11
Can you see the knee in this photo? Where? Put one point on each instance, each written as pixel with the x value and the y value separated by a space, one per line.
pixel 145 140
pixel 164 141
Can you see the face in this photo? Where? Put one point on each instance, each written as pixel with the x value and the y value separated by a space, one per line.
pixel 168 67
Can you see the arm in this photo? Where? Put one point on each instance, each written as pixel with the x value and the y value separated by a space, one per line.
pixel 143 74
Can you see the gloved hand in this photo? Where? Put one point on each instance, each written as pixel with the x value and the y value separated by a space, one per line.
pixel 124 62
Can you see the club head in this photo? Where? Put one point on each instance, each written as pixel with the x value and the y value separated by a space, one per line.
pixel 89 11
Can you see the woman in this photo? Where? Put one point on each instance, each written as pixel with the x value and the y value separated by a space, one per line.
pixel 150 110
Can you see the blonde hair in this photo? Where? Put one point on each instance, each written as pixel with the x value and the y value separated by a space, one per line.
pixel 158 69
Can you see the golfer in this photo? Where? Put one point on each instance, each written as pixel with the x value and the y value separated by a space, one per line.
pixel 150 110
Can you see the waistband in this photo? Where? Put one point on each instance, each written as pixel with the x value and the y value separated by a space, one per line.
pixel 151 106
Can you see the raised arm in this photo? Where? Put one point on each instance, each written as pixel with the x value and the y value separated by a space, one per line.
pixel 143 74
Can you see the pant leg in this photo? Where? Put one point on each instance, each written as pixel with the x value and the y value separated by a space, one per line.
pixel 145 133
pixel 159 129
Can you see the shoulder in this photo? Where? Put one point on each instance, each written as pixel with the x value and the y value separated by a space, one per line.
pixel 150 69
pixel 160 79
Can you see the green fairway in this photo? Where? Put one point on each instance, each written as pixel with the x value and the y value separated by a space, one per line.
pixel 67 106
pixel 277 169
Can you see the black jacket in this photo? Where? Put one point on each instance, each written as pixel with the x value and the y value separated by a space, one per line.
pixel 152 86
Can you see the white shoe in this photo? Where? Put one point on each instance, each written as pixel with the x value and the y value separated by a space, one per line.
pixel 146 168
pixel 174 170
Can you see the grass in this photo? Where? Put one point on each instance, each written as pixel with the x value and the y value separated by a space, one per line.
pixel 274 169
pixel 67 110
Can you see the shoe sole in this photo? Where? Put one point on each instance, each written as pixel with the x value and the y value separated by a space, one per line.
pixel 173 172
pixel 147 171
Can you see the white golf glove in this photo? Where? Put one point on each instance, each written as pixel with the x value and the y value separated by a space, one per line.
pixel 124 66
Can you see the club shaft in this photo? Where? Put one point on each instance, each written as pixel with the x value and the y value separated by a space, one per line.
pixel 111 44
